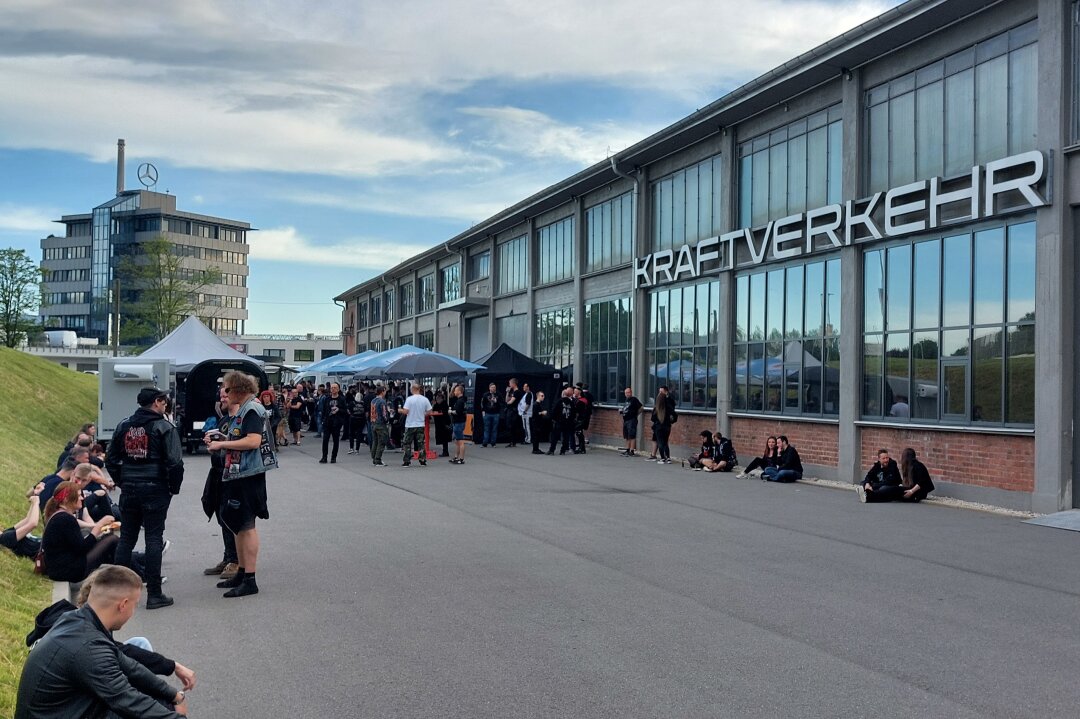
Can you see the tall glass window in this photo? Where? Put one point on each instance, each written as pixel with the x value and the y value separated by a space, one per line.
pixel 450 288
pixel 607 349
pixel 686 205
pixel 388 304
pixel 950 329
pixel 974 106
pixel 553 341
pixel 480 265
pixel 609 228
pixel 512 261
pixel 513 330
pixel 376 310
pixel 426 340
pixel 361 315
pixel 555 244
pixel 791 169
pixel 682 352
pixel 787 347
pixel 408 300
pixel 427 292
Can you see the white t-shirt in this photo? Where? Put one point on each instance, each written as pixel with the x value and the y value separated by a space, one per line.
pixel 418 406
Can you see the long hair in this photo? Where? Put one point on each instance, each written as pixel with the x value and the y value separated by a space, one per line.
pixel 907 464
pixel 64 494
pixel 775 447
pixel 660 407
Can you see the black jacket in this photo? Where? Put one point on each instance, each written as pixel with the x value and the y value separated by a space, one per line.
pixel 887 476
pixel 146 448
pixel 76 670
pixel 789 459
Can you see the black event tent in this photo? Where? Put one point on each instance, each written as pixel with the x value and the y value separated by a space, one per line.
pixel 503 363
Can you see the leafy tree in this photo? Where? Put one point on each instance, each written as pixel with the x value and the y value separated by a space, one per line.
pixel 158 290
pixel 20 292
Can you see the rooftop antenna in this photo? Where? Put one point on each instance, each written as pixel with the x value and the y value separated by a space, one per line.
pixel 119 166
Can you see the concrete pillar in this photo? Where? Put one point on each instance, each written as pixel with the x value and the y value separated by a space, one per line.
pixel 1054 274
pixel 851 294
pixel 726 323
pixel 639 326
pixel 578 354
pixel 533 253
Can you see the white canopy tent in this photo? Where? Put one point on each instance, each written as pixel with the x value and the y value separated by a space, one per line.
pixel 193 342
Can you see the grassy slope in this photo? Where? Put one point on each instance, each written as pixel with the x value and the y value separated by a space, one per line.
pixel 41 406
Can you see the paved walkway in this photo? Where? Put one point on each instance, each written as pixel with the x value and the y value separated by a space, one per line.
pixel 598 586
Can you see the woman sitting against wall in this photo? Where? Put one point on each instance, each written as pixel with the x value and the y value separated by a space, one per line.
pixel 916 478
pixel 768 458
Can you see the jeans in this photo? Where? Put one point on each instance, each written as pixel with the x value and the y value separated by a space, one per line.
pixel 491 428
pixel 145 505
pixel 141 643
pixel 663 434
pixel 413 439
pixel 378 441
pixel 772 474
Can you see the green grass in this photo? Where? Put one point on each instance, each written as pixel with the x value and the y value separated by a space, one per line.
pixel 42 405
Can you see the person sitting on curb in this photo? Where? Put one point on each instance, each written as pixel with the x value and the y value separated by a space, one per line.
pixel 76 670
pixel 768 459
pixel 723 458
pixel 916 478
pixel 788 466
pixel 883 482
pixel 18 538
pixel 707 453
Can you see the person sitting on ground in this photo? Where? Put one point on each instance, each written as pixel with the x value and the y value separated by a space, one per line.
pixel 767 459
pixel 883 482
pixel 788 466
pixel 706 454
pixel 52 481
pixel 19 538
pixel 723 458
pixel 69 556
pixel 81 440
pixel 916 478
pixel 96 500
pixel 137 648
pixel 76 670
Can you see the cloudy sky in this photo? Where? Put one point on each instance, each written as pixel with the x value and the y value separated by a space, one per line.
pixel 355 134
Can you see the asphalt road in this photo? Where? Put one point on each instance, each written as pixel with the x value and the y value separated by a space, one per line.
pixel 598 586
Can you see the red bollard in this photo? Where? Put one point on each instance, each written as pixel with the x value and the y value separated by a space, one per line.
pixel 427 441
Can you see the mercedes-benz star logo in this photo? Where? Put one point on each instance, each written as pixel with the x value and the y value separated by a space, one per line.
pixel 148 175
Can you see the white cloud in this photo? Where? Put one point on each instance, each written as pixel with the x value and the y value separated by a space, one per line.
pixel 18 218
pixel 285 244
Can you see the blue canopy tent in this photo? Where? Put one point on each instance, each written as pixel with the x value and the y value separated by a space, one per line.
pixel 326 365
pixel 408 361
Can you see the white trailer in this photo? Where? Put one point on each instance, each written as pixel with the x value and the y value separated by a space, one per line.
pixel 119 382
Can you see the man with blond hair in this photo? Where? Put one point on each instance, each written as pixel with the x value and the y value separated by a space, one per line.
pixel 77 670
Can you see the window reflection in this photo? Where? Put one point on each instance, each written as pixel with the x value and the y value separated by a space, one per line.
pixel 682 343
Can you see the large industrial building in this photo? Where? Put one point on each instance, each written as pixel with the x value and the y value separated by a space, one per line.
pixel 869 246
pixel 79 267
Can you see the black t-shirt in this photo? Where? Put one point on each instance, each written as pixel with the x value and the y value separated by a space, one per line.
pixel 458 410
pixel 50 486
pixel 342 408
pixel 517 394
pixel 565 411
pixel 631 409
pixel 490 402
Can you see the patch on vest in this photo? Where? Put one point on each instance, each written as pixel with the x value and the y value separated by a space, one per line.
pixel 137 443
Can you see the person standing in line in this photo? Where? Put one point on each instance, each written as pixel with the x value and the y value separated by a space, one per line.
pixel 416 409
pixel 281 402
pixel 211 502
pixel 395 402
pixel 582 417
pixel 540 423
pixel 440 421
pixel 358 412
pixel 883 482
pixel 249 454
pixel 788 467
pixel 590 401
pixel 296 415
pixel 377 426
pixel 146 460
pixel 563 426
pixel 513 420
pixel 490 409
pixel 630 410
pixel 458 414
pixel 525 411
pixel 77 670
pixel 917 483
pixel 334 410
pixel 268 403
pixel 318 410
pixel 663 416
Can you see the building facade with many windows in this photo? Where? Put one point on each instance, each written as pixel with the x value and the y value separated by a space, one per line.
pixel 868 246
pixel 80 266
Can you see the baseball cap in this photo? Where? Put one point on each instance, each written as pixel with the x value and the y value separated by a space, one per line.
pixel 147 395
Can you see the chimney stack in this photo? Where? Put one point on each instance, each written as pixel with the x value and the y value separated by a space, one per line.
pixel 119 166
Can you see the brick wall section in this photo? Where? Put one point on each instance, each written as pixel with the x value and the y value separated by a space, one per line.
pixel 981 460
pixel 606 428
pixel 817 443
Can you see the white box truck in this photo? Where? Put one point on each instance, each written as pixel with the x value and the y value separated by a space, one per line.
pixel 119 382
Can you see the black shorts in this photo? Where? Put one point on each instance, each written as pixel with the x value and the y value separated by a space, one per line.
pixel 295 419
pixel 629 428
pixel 26 547
pixel 242 500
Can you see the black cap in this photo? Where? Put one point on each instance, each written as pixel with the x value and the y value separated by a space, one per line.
pixel 147 395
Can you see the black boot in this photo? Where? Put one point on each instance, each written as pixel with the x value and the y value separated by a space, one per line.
pixel 248 586
pixel 236 581
pixel 154 598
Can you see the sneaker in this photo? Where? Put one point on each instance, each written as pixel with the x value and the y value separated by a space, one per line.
pixel 165 548
pixel 650 458
pixel 861 491
pixel 216 569
pixel 423 463
pixel 659 461
pixel 632 453
pixel 322 461
pixel 405 464
pixel 741 475
pixel 378 464
pixel 696 469
pixel 352 451
pixel 665 461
